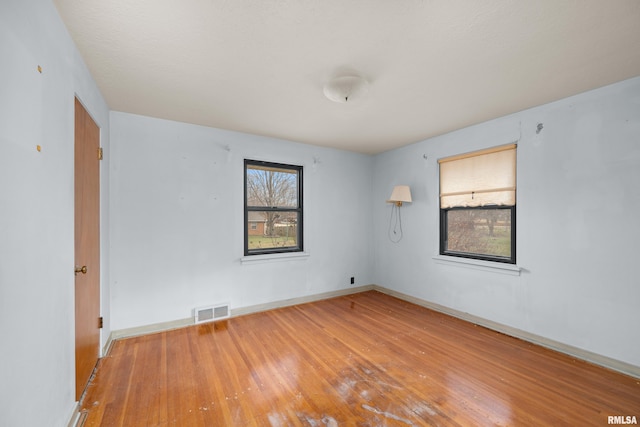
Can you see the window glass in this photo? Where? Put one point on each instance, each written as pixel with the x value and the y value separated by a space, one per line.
pixel 273 208
pixel 477 204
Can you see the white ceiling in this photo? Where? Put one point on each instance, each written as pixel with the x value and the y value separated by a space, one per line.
pixel 258 66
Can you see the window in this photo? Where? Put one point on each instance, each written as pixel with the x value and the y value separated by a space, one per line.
pixel 272 208
pixel 478 205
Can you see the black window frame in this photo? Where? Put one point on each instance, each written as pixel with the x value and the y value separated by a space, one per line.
pixel 472 255
pixel 298 209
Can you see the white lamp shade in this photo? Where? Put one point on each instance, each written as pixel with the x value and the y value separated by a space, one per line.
pixel 400 193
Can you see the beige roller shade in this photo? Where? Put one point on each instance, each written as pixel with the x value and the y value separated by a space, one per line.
pixel 482 178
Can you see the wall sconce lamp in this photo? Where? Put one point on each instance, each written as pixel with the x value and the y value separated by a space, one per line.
pixel 400 194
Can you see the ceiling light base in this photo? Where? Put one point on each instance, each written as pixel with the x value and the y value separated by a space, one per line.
pixel 345 89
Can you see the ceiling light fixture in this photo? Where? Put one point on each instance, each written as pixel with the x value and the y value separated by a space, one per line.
pixel 345 89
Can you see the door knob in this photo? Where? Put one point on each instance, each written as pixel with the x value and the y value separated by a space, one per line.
pixel 82 269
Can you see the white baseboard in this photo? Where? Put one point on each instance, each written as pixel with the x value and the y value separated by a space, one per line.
pixel 75 415
pixel 301 300
pixel 579 353
pixel 146 329
pixel 235 312
pixel 595 358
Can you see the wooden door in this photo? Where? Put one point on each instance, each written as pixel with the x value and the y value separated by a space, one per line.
pixel 87 246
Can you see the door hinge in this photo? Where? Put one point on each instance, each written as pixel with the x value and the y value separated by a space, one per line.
pixel 100 322
pixel 100 153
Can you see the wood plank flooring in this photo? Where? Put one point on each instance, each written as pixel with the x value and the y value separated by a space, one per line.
pixel 360 360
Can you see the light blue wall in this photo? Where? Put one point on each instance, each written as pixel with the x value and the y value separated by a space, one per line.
pixel 177 221
pixel 37 370
pixel 578 234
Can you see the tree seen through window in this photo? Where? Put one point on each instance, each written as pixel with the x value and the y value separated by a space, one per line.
pixel 273 207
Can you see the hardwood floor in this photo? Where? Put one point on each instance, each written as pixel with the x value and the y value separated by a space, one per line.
pixel 360 360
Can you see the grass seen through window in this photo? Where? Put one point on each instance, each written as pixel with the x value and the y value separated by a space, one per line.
pixel 479 231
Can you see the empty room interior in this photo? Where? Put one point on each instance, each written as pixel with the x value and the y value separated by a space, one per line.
pixel 321 213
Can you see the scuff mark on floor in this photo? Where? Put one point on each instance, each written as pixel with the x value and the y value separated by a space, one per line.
pixel 421 408
pixel 329 421
pixel 275 420
pixel 326 420
pixel 387 414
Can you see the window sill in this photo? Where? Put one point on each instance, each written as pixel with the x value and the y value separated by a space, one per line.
pixel 495 267
pixel 287 256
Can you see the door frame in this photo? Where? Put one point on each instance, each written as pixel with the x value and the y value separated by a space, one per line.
pixel 87 224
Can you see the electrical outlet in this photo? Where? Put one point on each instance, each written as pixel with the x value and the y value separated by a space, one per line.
pixel 353 280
